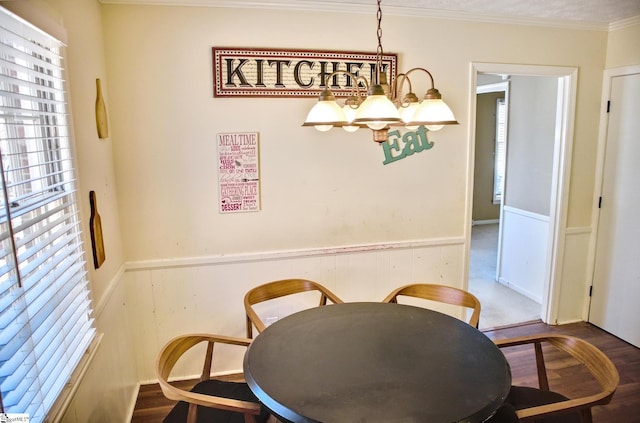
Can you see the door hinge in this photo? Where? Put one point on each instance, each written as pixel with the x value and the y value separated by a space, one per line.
pixel 590 290
pixel 608 106
pixel 600 203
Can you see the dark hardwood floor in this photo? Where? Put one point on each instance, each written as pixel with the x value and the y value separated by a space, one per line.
pixel 151 406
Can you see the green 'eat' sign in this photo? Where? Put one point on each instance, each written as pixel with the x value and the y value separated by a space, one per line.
pixel 399 146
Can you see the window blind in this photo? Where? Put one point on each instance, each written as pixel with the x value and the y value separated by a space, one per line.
pixel 45 310
pixel 500 155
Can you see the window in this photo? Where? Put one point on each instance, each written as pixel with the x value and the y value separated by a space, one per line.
pixel 500 154
pixel 45 311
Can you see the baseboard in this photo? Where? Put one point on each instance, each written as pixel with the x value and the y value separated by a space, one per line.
pixel 519 290
pixel 134 400
pixel 512 325
pixel 485 222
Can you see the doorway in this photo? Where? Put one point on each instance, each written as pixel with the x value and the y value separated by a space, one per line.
pixel 501 304
pixel 529 236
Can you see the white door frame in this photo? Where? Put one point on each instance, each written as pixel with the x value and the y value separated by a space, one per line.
pixel 608 76
pixel 565 119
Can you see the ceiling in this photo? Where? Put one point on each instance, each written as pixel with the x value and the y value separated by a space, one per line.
pixel 576 12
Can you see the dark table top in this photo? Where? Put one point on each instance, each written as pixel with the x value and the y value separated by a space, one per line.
pixel 376 362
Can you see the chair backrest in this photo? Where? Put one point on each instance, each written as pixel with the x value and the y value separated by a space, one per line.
pixel 176 348
pixel 277 289
pixel 440 293
pixel 594 361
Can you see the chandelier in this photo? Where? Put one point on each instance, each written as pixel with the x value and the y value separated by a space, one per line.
pixel 383 106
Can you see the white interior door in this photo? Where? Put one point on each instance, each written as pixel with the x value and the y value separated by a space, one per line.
pixel 616 280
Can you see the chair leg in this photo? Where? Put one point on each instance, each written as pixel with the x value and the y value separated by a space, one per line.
pixel 542 370
pixel 249 328
pixel 192 415
pixel 585 415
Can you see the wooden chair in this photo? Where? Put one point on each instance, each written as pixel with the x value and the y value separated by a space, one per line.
pixel 440 293
pixel 210 400
pixel 542 405
pixel 277 289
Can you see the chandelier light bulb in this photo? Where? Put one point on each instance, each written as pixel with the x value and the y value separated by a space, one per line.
pixel 406 114
pixel 350 113
pixel 377 111
pixel 323 128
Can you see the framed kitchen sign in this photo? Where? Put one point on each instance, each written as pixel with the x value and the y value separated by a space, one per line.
pixel 238 172
pixel 253 72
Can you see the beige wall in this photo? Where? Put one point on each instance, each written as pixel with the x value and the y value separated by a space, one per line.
pixel 623 47
pixel 532 118
pixel 165 121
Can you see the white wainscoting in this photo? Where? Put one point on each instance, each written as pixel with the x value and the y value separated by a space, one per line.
pixel 576 276
pixel 109 388
pixel 524 244
pixel 166 298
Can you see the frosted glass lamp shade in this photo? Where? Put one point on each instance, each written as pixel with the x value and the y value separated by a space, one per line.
pixel 377 111
pixel 325 114
pixel 434 114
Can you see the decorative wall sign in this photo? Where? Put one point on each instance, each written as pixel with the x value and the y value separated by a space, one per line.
pixel 238 172
pixel 252 72
pixel 399 146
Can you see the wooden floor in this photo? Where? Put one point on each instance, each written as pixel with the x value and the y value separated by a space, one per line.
pixel 151 406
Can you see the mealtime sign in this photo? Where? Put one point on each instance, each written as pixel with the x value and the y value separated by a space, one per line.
pixel 252 72
pixel 238 172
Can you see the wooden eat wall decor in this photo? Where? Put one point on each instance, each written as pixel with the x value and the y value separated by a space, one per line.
pixel 254 72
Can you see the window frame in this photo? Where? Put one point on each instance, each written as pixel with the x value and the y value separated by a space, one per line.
pixel 499 169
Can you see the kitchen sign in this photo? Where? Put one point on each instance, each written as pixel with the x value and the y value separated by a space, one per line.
pixel 252 72
pixel 238 172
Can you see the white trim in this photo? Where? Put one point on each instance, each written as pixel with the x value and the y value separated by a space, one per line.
pixel 527 214
pixel 58 411
pixel 624 23
pixel 520 290
pixel 578 230
pixel 286 254
pixel 485 222
pixel 100 305
pixel 567 94
pixel 493 88
pixel 340 7
pixel 134 400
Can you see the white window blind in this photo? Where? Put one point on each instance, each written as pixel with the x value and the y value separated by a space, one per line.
pixel 45 311
pixel 500 154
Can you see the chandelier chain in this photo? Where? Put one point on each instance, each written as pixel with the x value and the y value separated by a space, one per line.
pixel 379 51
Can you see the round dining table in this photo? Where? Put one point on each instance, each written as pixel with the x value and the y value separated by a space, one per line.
pixel 376 362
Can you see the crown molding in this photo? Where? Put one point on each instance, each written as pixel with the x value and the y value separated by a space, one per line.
pixel 336 7
pixel 624 23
